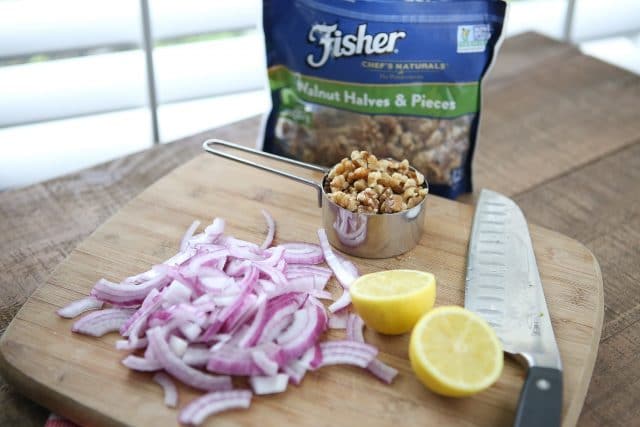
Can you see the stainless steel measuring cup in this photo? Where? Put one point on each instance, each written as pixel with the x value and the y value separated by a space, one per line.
pixel 360 234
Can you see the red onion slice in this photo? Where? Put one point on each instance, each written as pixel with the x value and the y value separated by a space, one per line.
pixel 271 229
pixel 195 355
pixel 151 303
pixel 321 294
pixel 339 320
pixel 101 322
pixel 377 367
pixel 191 331
pixel 169 389
pixel 188 235
pixel 315 325
pixel 178 345
pixel 214 230
pixel 269 385
pixel 303 270
pixel 342 302
pixel 180 370
pixel 176 293
pixel 141 364
pixel 125 293
pixel 382 371
pixel 344 274
pixel 229 360
pixel 295 370
pixel 77 307
pixel 128 345
pixel 212 403
pixel 302 253
pixel 268 366
pixel 347 352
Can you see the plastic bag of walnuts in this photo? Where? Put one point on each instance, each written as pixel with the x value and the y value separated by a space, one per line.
pixel 399 79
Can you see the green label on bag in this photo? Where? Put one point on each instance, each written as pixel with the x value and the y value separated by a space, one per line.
pixel 422 99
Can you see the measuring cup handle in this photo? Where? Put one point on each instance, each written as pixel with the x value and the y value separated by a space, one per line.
pixel 211 142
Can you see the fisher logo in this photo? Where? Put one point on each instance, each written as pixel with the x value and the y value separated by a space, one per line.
pixel 336 45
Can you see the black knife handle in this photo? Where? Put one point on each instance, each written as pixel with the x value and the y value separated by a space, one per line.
pixel 540 403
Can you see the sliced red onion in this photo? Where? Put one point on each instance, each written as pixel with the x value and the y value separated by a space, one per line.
pixel 347 352
pixel 271 229
pixel 314 325
pixel 205 259
pixel 141 364
pixel 101 322
pixel 176 293
pixel 310 282
pixel 344 274
pixel 274 256
pixel 215 284
pixel 125 293
pixel 214 230
pixel 246 308
pixel 212 403
pixel 234 308
pixel 321 294
pixel 188 235
pixel 196 356
pixel 349 266
pixel 169 389
pixel 180 370
pixel 142 277
pixel 339 320
pixel 273 328
pixel 230 360
pixel 178 345
pixel 178 259
pixel 312 357
pixel 295 370
pixel 247 283
pixel 191 331
pixel 270 384
pixel 303 270
pixel 255 328
pixel 80 306
pixel 132 326
pixel 273 273
pixel 278 317
pixel 302 253
pixel 127 345
pixel 377 367
pixel 382 371
pixel 342 302
pixel 266 364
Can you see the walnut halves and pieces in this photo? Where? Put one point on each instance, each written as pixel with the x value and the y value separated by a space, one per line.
pixel 365 184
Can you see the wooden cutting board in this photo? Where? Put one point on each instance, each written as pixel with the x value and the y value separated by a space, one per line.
pixel 82 378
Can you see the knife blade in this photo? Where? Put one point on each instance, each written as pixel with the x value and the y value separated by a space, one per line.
pixel 503 286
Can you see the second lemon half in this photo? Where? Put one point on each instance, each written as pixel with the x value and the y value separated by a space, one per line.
pixel 392 301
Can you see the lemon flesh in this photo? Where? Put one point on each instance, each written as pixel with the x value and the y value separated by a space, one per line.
pixel 392 301
pixel 454 352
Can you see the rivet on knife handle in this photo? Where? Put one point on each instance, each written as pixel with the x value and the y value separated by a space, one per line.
pixel 540 401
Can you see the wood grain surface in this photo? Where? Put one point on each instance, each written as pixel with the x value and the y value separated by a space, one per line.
pixel 591 197
pixel 81 377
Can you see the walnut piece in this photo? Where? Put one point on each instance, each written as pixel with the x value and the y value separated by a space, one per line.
pixel 362 183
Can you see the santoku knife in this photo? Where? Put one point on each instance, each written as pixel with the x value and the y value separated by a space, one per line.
pixel 503 286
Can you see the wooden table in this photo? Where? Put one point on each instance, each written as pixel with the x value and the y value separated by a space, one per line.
pixel 560 134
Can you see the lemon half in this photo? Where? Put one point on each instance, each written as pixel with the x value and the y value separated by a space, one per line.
pixel 454 352
pixel 392 301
